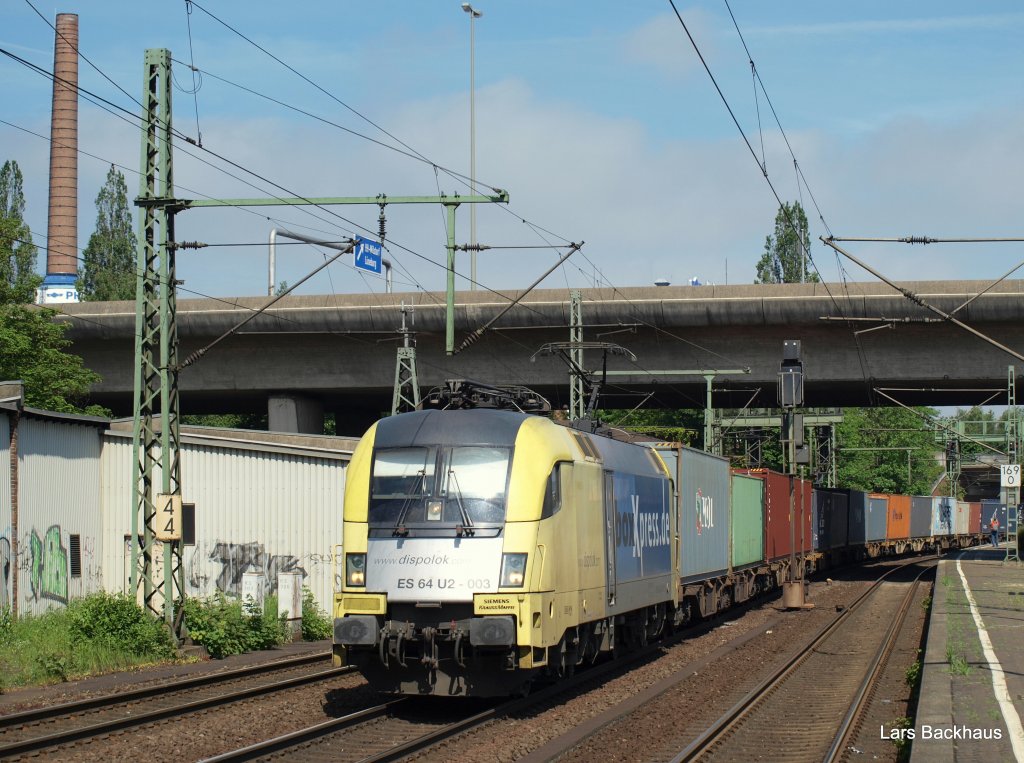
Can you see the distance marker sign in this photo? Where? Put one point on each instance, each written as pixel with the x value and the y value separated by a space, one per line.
pixel 1009 475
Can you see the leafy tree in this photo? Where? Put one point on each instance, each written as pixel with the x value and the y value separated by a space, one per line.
pixel 32 348
pixel 108 270
pixel 885 471
pixel 18 279
pixel 682 425
pixel 32 344
pixel 784 260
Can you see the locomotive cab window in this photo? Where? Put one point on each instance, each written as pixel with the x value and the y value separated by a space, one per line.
pixel 448 486
pixel 553 490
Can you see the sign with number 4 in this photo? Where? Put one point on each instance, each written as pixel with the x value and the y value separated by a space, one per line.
pixel 1009 475
pixel 167 525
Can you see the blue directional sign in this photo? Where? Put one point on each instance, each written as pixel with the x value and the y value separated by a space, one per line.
pixel 368 255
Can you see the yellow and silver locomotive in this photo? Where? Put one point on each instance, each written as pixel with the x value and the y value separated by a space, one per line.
pixel 484 547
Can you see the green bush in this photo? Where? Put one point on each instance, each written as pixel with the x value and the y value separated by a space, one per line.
pixel 316 624
pixel 225 627
pixel 115 620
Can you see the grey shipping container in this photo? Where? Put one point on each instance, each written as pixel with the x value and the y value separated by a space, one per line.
pixel 876 519
pixel 920 516
pixel 943 510
pixel 962 518
pixel 831 515
pixel 857 513
pixel 702 489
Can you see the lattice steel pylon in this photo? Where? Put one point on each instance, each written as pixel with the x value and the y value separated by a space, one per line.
pixel 407 387
pixel 1013 452
pixel 577 397
pixel 157 562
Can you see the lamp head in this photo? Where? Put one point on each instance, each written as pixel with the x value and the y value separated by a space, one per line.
pixel 472 11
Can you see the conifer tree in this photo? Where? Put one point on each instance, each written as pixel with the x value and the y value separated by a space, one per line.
pixel 108 269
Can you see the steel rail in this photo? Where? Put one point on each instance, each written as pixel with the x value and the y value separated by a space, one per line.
pixel 122 697
pixel 732 716
pixel 594 673
pixel 68 736
pixel 311 733
pixel 859 704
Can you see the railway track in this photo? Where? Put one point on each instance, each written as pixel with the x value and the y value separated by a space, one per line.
pixel 404 726
pixel 51 728
pixel 826 686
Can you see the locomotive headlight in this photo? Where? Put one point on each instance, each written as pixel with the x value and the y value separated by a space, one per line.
pixel 434 509
pixel 513 570
pixel 355 569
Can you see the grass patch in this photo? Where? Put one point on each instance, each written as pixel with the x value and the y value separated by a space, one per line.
pixel 98 634
pixel 958 664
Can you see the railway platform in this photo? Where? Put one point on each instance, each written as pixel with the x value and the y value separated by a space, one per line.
pixel 972 684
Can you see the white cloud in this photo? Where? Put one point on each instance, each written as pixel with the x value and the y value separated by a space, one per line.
pixel 662 44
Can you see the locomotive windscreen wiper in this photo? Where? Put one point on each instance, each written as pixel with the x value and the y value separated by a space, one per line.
pixel 466 528
pixel 400 528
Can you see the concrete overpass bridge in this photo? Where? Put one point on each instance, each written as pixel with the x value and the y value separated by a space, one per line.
pixel 337 353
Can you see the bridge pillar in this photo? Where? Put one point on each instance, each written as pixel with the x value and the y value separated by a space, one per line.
pixel 295 413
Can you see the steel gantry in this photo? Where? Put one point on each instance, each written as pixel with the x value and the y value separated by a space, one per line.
pixel 157 572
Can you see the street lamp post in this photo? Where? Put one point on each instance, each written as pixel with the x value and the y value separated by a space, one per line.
pixel 474 14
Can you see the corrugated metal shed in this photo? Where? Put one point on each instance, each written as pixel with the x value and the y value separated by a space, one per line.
pixel 6 569
pixel 58 524
pixel 260 503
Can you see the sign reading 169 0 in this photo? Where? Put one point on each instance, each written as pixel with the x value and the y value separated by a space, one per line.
pixel 1009 475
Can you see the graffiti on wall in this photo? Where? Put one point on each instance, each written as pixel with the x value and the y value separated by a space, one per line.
pixel 238 558
pixel 49 561
pixel 5 572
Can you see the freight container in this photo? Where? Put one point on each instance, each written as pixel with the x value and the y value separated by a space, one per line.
pixel 920 516
pixel 943 512
pixel 777 514
pixel 831 510
pixel 962 518
pixel 898 527
pixel 858 513
pixel 702 492
pixel 974 518
pixel 876 518
pixel 992 508
pixel 747 520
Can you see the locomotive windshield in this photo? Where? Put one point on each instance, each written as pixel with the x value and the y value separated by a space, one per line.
pixel 460 485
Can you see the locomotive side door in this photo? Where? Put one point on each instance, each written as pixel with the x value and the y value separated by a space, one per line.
pixel 609 536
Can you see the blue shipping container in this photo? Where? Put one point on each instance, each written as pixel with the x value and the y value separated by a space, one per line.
pixel 858 511
pixel 831 510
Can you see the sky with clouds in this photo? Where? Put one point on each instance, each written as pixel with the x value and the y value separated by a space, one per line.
pixel 597 117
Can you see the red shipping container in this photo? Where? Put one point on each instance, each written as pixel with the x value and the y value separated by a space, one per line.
pixel 776 512
pixel 974 518
pixel 898 527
